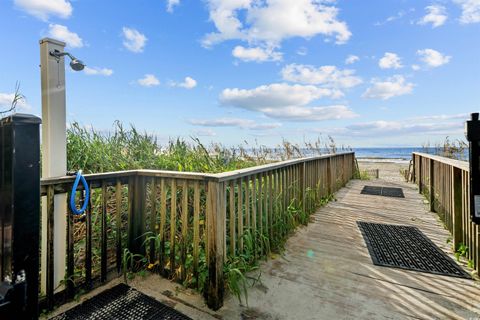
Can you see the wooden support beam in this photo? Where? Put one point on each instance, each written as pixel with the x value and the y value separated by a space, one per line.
pixel 215 233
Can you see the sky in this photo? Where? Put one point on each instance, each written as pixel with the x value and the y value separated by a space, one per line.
pixel 376 73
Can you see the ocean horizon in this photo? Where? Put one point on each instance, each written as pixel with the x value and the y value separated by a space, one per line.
pixel 400 153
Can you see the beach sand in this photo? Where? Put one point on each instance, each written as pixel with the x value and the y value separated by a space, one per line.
pixel 388 170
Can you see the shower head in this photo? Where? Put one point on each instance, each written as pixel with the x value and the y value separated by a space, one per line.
pixel 75 64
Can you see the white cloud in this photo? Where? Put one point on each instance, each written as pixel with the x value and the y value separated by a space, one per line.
pixel 390 61
pixel 204 133
pixel 470 11
pixel 62 33
pixel 433 58
pixel 398 16
pixel 436 15
pixel 351 59
pixel 443 125
pixel 285 101
pixel 6 100
pixel 328 76
pixel 43 9
pixel 256 54
pixel 443 117
pixel 98 71
pixel 188 83
pixel 391 87
pixel 235 122
pixel 302 51
pixel 275 95
pixel 133 40
pixel 415 67
pixel 270 22
pixel 305 114
pixel 398 128
pixel 149 80
pixel 171 4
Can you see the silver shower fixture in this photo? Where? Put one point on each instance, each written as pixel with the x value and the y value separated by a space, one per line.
pixel 75 64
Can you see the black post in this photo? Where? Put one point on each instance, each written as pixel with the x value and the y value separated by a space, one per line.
pixel 19 215
pixel 472 132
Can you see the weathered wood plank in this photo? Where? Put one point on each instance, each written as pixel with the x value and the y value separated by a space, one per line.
pixel 173 224
pixel 196 229
pixel 215 230
pixel 118 225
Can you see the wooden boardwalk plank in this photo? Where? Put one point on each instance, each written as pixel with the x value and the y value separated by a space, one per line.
pixel 327 266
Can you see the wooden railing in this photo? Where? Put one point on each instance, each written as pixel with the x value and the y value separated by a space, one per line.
pixel 185 224
pixel 445 183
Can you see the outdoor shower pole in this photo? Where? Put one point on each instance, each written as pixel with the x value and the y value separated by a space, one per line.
pixel 54 153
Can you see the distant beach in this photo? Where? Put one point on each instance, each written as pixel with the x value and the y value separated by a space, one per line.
pixel 400 155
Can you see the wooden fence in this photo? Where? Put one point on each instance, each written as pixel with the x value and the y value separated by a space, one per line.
pixel 445 183
pixel 185 224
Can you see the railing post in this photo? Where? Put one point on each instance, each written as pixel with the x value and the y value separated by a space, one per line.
pixel 457 206
pixel 420 174
pixel 302 185
pixel 430 182
pixel 329 176
pixel 215 244
pixel 413 177
pixel 136 221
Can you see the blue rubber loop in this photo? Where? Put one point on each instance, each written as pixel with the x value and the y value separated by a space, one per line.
pixel 74 191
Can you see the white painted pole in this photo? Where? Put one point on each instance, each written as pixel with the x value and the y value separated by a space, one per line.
pixel 54 153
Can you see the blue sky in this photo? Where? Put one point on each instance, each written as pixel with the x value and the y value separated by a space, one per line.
pixel 368 73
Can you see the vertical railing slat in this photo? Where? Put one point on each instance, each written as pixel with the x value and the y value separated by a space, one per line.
pixel 183 255
pixel 118 225
pixel 88 242
pixel 196 230
pixel 247 203
pixel 163 221
pixel 153 219
pixel 232 217
pixel 173 224
pixel 240 215
pixel 103 243
pixel 254 213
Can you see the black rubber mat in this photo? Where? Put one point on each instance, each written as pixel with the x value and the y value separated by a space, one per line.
pixel 408 248
pixel 383 191
pixel 121 302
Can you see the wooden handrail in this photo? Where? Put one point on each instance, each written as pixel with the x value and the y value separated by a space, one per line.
pixel 452 162
pixel 189 211
pixel 445 184
pixel 230 175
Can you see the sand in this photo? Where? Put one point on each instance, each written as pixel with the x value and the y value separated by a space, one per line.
pixel 388 170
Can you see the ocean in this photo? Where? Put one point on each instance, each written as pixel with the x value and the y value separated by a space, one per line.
pixel 386 153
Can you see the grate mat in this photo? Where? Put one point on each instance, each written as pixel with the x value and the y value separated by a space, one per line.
pixel 408 248
pixel 383 191
pixel 121 302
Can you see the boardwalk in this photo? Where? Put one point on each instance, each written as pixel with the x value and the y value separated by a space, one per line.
pixel 338 281
pixel 326 271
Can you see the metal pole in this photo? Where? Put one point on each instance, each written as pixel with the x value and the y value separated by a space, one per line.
pixel 54 152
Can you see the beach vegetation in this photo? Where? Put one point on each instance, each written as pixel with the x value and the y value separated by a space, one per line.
pixel 450 148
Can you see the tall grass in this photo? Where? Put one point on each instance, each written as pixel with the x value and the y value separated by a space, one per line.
pixel 453 149
pixel 123 148
pixel 127 148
